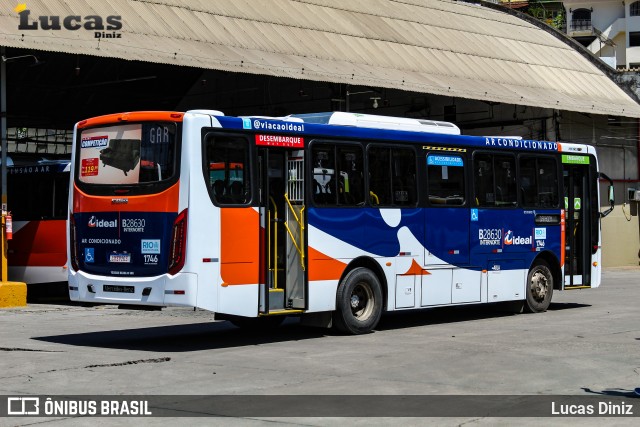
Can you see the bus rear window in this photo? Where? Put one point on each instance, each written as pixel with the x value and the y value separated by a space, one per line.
pixel 127 154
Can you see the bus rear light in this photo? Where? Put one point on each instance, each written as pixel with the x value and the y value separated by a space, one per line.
pixel 178 292
pixel 178 243
pixel 73 243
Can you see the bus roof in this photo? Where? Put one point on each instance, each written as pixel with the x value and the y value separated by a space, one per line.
pixel 364 126
pixel 379 122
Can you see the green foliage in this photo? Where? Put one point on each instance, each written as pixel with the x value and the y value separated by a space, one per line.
pixel 551 17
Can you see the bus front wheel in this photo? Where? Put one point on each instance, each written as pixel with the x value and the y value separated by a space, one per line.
pixel 358 302
pixel 539 288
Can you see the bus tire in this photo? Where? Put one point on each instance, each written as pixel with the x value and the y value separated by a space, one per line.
pixel 358 302
pixel 539 288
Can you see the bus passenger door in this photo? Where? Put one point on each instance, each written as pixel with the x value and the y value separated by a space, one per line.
pixel 282 218
pixel 447 224
pixel 580 203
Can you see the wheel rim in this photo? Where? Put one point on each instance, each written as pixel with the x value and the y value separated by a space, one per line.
pixel 539 285
pixel 362 301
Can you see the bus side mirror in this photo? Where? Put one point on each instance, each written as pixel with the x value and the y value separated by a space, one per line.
pixel 612 197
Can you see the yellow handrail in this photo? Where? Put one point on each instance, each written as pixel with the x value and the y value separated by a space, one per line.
pixel 299 248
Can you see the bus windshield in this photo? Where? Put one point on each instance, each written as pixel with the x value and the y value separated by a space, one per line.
pixel 127 154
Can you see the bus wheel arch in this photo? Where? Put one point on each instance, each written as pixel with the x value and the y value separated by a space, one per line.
pixel 554 266
pixel 375 267
pixel 359 299
pixel 539 286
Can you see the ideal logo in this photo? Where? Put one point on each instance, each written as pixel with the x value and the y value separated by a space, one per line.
pixel 150 246
pixel 101 223
pixel 510 239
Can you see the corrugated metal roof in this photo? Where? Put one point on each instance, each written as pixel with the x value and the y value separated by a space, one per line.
pixel 432 46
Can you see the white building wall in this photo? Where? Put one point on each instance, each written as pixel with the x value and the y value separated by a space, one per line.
pixel 633 53
pixel 613 19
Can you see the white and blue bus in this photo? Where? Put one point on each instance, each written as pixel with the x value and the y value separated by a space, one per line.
pixel 334 217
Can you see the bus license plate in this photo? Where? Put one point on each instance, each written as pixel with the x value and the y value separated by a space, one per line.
pixel 120 258
pixel 118 288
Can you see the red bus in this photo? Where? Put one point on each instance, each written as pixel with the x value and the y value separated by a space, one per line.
pixel 37 192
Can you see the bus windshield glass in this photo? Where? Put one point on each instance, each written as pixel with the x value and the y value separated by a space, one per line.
pixel 127 154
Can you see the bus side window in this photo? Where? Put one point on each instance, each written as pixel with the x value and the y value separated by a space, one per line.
pixel 528 186
pixel 324 180
pixel 61 196
pixel 227 166
pixel 539 182
pixel 379 176
pixel 445 180
pixel 404 177
pixel 547 173
pixel 350 172
pixel 495 180
pixel 483 177
pixel 505 173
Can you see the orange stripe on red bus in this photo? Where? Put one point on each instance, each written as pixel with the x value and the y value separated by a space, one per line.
pixel 166 201
pixel 138 116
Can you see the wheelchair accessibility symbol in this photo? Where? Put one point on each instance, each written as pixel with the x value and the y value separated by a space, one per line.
pixel 88 255
pixel 474 214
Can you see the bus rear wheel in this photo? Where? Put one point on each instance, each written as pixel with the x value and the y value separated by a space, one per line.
pixel 358 302
pixel 539 288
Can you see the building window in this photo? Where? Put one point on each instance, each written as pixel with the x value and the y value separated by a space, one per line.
pixel 581 20
pixel 634 9
pixel 634 38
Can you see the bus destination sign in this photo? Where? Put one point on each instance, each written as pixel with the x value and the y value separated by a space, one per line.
pixel 280 141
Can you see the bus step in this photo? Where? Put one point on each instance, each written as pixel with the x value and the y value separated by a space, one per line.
pixel 282 312
pixel 276 299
